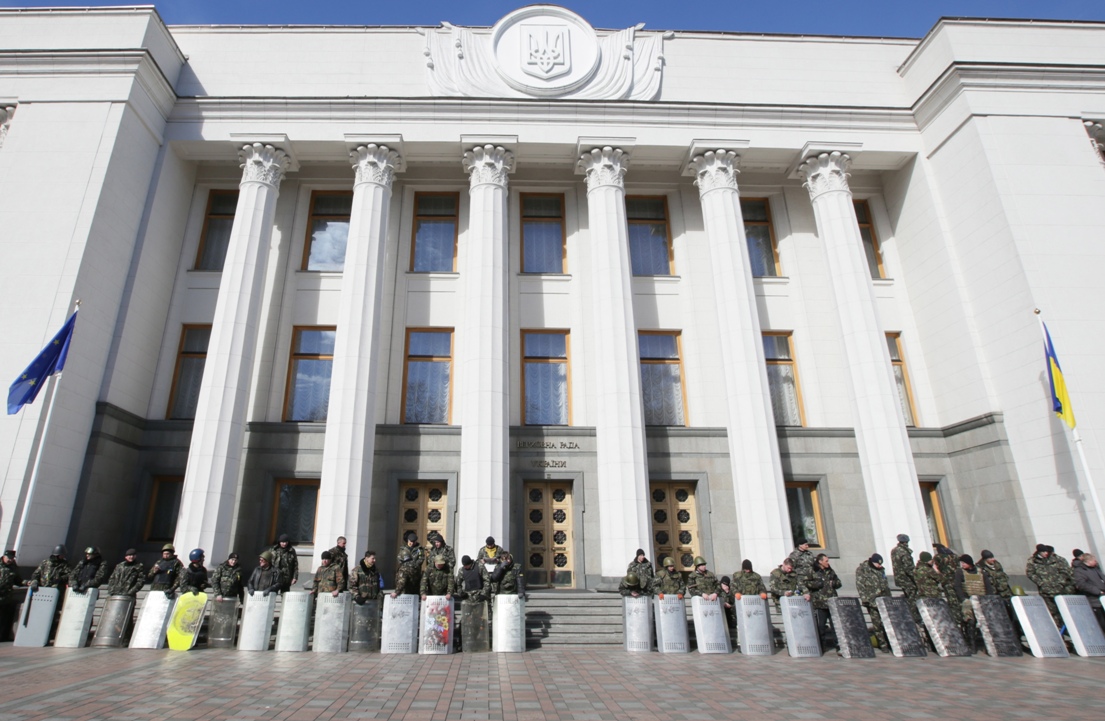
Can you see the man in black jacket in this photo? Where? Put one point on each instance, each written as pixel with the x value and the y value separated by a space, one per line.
pixel 1090 582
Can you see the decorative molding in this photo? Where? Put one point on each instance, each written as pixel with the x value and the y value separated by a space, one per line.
pixel 1097 138
pixel 6 113
pixel 488 165
pixel 263 164
pixel 604 167
pixel 716 169
pixel 376 164
pixel 826 173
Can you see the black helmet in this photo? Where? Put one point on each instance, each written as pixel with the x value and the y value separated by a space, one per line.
pixel 59 550
pixel 92 551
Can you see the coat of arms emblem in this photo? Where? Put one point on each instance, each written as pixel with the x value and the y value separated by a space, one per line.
pixel 545 50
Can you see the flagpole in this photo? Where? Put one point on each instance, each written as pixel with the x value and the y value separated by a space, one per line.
pixel 1081 451
pixel 37 462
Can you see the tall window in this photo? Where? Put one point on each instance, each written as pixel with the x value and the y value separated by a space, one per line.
pixel 782 379
pixel 427 376
pixel 901 377
pixel 215 237
pixel 309 374
pixel 164 508
pixel 294 506
pixel 189 371
pixel 435 232
pixel 806 521
pixel 762 253
pixel 649 239
pixel 542 233
pixel 930 496
pixel 545 378
pixel 661 379
pixel 327 230
pixel 870 241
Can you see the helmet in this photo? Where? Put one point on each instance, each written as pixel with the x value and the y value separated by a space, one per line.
pixel 266 556
pixel 92 551
pixel 631 579
pixel 699 561
pixel 59 550
pixel 196 554
pixel 439 561
pixel 668 561
pixel 168 547
pixel 1018 591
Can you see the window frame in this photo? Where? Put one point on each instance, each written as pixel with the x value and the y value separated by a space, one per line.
pixel 653 221
pixel 416 220
pixel 770 223
pixel 870 226
pixel 207 215
pixel 678 334
pixel 793 363
pixel 523 219
pixel 930 490
pixel 180 356
pixel 433 359
pixel 897 336
pixel 158 482
pixel 278 484
pixel 566 360
pixel 292 357
pixel 818 510
pixel 312 217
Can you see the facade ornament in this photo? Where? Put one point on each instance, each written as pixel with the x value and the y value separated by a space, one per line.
pixel 263 164
pixel 826 172
pixel 376 164
pixel 1097 138
pixel 604 166
pixel 6 113
pixel 544 51
pixel 488 165
pixel 715 169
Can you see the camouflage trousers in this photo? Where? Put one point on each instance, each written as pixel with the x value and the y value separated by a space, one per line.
pixel 1053 609
pixel 876 621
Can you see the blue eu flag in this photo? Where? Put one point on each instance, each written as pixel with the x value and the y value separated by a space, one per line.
pixel 50 361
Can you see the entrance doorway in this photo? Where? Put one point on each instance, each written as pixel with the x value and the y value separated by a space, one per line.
pixel 422 508
pixel 548 560
pixel 675 523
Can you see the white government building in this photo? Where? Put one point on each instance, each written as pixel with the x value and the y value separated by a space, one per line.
pixel 581 290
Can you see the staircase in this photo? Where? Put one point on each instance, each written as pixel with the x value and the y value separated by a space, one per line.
pixel 567 619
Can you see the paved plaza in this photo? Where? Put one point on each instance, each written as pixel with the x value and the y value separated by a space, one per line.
pixel 572 685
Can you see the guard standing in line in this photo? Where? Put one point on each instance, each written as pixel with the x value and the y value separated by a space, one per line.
pixel 265 578
pixel 408 577
pixel 902 566
pixel 631 586
pixel 641 566
pixel 747 582
pixel 969 581
pixel 489 550
pixel 507 580
pixel 227 579
pixel 52 572
pixel 339 558
pixel 437 580
pixel 164 575
pixel 1050 578
pixel 128 577
pixel 669 580
pixel 90 572
pixel 438 547
pixel 365 583
pixel 802 557
pixel 286 562
pixel 871 584
pixel 10 578
pixel 785 581
pixel 999 579
pixel 328 577
pixel 193 579
pixel 702 582
pixel 823 583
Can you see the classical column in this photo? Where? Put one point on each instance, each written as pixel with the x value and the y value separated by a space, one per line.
pixel 214 456
pixel 622 459
pixel 763 522
pixel 889 475
pixel 6 113
pixel 483 374
pixel 346 487
pixel 1093 128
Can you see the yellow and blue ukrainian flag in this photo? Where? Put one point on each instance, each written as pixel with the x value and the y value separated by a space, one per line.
pixel 1060 399
pixel 50 361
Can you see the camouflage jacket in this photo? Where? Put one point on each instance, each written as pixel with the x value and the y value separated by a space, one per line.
pixel 9 579
pixel 1049 575
pixel 485 553
pixel 51 573
pixel 408 578
pixel 947 564
pixel 193 578
pixel 669 582
pixel 871 583
pixel 127 579
pixel 286 563
pixel 822 584
pixel 93 573
pixel 446 551
pixel 803 561
pixel 437 582
pixel 703 584
pixel 475 581
pixel 339 558
pixel 227 581
pixel 365 582
pixel 901 565
pixel 626 590
pixel 511 583
pixel 165 574
pixel 781 582
pixel 999 579
pixel 645 574
pixel 748 584
pixel 930 584
pixel 328 578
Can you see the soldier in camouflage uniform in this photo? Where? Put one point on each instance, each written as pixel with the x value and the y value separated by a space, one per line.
pixel 929 582
pixel 226 582
pixel 438 547
pixel 999 579
pixel 946 563
pixel 507 579
pixel 128 577
pixel 365 581
pixel 727 600
pixel 785 581
pixel 871 584
pixel 164 575
pixel 339 558
pixel 1050 578
pixel 438 578
pixel 90 572
pixel 669 580
pixel 408 577
pixel 822 582
pixel 802 558
pixel 641 566
pixel 285 561
pixel 328 577
pixel 702 582
pixel 747 582
pixel 970 581
pixel 53 572
pixel 417 558
pixel 631 586
pixel 901 563
pixel 10 578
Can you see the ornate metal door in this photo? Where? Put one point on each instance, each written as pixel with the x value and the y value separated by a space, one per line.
pixel 422 508
pixel 548 559
pixel 674 524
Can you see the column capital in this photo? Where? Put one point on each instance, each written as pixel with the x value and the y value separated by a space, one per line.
pixel 826 172
pixel 604 166
pixel 263 164
pixel 1097 138
pixel 715 169
pixel 6 113
pixel 376 164
pixel 488 165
